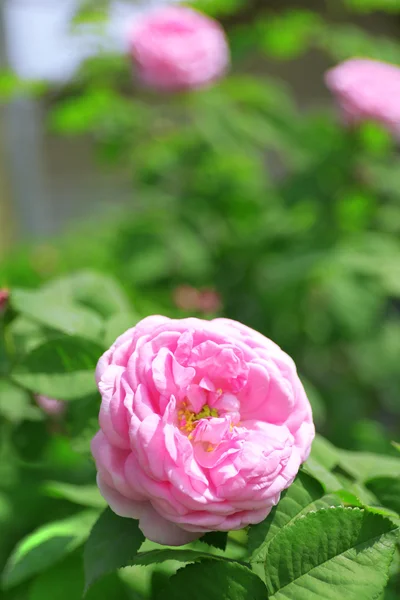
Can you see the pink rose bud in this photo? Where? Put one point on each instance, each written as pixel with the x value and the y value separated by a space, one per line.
pixel 367 90
pixel 203 424
pixel 210 301
pixel 53 408
pixel 186 298
pixel 4 297
pixel 178 48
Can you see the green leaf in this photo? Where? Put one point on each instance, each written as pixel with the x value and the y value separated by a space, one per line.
pixel 47 584
pixel 219 8
pixel 324 452
pixel 215 581
pixel 387 490
pixel 113 543
pixel 357 489
pixel 65 581
pixel 376 139
pixel 82 423
pixel 117 325
pixel 96 291
pixel 328 480
pixel 288 35
pixel 304 495
pixel 57 313
pixel 218 539
pixel 62 368
pixel 184 555
pixel 84 495
pixel 366 465
pixel 317 403
pixel 25 335
pixel 16 405
pixel 333 553
pixel 46 546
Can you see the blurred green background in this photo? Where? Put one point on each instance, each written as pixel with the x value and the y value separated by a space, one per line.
pixel 247 200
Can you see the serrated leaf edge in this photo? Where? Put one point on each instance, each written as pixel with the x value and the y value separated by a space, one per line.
pixel 292 521
pixel 350 508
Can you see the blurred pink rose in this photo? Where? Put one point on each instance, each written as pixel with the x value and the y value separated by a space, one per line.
pixel 203 424
pixel 177 48
pixel 203 301
pixel 4 297
pixel 186 297
pixel 367 90
pixel 53 408
pixel 210 301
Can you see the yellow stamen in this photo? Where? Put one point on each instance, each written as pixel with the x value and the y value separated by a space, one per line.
pixel 188 419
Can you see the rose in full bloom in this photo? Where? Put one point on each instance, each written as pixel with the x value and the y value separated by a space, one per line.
pixel 53 408
pixel 178 48
pixel 367 90
pixel 203 424
pixel 4 298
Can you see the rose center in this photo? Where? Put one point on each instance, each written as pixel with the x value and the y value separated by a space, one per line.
pixel 188 419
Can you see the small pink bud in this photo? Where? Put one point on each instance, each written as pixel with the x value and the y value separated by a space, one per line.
pixel 53 408
pixel 210 301
pixel 4 298
pixel 186 298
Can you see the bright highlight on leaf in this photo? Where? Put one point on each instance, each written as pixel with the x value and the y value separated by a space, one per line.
pixel 46 546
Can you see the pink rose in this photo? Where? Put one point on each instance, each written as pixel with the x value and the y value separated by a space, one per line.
pixel 4 297
pixel 367 90
pixel 204 301
pixel 210 301
pixel 177 48
pixel 53 408
pixel 203 424
pixel 186 297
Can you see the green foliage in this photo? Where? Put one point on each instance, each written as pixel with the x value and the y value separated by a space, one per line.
pixel 84 495
pixel 61 368
pixel 373 5
pixel 46 546
pixel 294 222
pixel 218 539
pixel 15 403
pixel 387 490
pixel 96 291
pixel 329 554
pixel 305 495
pixel 287 36
pixel 221 581
pixel 65 581
pixel 58 315
pixel 112 544
pixel 218 8
pixel 12 87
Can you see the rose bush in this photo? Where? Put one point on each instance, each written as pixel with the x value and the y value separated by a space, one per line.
pixel 178 48
pixel 203 424
pixel 367 90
